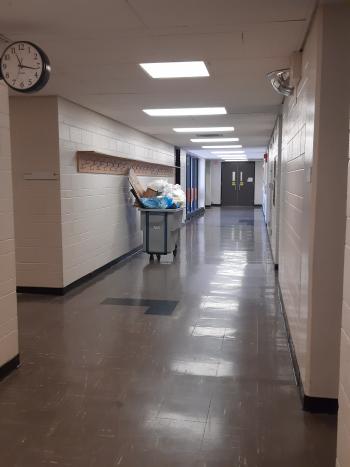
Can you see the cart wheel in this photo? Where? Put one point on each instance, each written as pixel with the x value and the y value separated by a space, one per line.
pixel 158 256
pixel 151 257
pixel 175 251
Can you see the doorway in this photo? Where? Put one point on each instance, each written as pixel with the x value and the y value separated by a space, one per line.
pixel 237 183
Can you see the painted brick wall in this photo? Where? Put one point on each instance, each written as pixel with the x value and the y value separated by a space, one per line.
pixel 343 450
pixel 295 204
pixel 8 307
pixel 99 222
pixel 34 142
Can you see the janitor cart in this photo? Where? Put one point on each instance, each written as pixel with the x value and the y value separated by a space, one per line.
pixel 161 228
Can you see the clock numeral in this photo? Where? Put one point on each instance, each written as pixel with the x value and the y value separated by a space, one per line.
pixel 22 84
pixel 7 75
pixel 29 49
pixel 20 46
pixel 13 50
pixel 36 74
pixel 4 66
pixel 7 57
pixel 35 55
pixel 14 82
pixel 30 82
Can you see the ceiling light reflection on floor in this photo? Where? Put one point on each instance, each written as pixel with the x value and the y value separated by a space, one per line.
pixel 217 368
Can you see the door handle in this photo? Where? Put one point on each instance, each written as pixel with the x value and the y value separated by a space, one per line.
pixel 240 180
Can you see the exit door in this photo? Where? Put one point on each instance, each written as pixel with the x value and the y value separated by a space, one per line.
pixel 237 183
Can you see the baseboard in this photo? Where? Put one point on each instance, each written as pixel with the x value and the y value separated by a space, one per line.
pixel 309 403
pixel 8 367
pixel 199 212
pixel 258 205
pixel 216 204
pixel 78 282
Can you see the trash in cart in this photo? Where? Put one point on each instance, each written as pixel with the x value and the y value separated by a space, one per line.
pixel 161 215
pixel 159 194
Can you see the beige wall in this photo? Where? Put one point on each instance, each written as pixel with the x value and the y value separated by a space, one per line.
pixel 67 228
pixel 297 157
pixel 312 203
pixel 8 306
pixel 273 170
pixel 99 222
pixel 215 170
pixel 34 137
pixel 343 450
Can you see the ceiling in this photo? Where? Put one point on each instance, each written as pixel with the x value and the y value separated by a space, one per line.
pixel 95 48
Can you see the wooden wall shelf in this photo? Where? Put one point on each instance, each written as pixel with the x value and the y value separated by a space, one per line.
pixel 93 162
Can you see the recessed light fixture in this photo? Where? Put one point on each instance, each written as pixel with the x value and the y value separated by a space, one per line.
pixel 227 152
pixel 239 156
pixel 204 129
pixel 235 160
pixel 176 69
pixel 224 156
pixel 213 140
pixel 187 111
pixel 223 147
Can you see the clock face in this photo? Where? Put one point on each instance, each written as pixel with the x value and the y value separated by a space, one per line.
pixel 25 67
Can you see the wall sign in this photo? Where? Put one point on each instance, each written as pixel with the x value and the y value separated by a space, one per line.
pixel 96 163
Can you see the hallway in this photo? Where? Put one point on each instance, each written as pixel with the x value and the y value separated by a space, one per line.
pixel 198 375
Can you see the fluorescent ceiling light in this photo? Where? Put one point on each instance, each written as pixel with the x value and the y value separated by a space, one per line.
pixel 204 129
pixel 244 156
pixel 223 147
pixel 213 140
pixel 227 152
pixel 235 160
pixel 176 69
pixel 188 111
pixel 223 156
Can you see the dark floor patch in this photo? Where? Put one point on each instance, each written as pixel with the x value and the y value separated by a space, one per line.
pixel 154 307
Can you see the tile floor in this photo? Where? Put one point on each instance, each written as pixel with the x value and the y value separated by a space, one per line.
pixel 209 384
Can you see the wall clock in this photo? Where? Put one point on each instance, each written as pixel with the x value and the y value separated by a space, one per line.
pixel 25 67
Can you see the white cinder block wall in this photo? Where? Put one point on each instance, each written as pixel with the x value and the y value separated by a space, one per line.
pixel 313 188
pixel 343 448
pixel 8 306
pixel 99 222
pixel 34 140
pixel 215 170
pixel 259 180
pixel 273 170
pixel 201 183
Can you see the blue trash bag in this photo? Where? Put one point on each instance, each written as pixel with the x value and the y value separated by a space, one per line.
pixel 159 202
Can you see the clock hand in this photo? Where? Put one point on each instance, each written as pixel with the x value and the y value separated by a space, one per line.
pixel 19 61
pixel 30 67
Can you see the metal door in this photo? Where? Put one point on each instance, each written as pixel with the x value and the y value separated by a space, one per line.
pixel 237 183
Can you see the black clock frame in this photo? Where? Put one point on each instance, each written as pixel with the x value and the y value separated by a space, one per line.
pixel 45 73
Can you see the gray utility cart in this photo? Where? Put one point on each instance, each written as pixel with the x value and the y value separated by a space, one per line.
pixel 160 231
